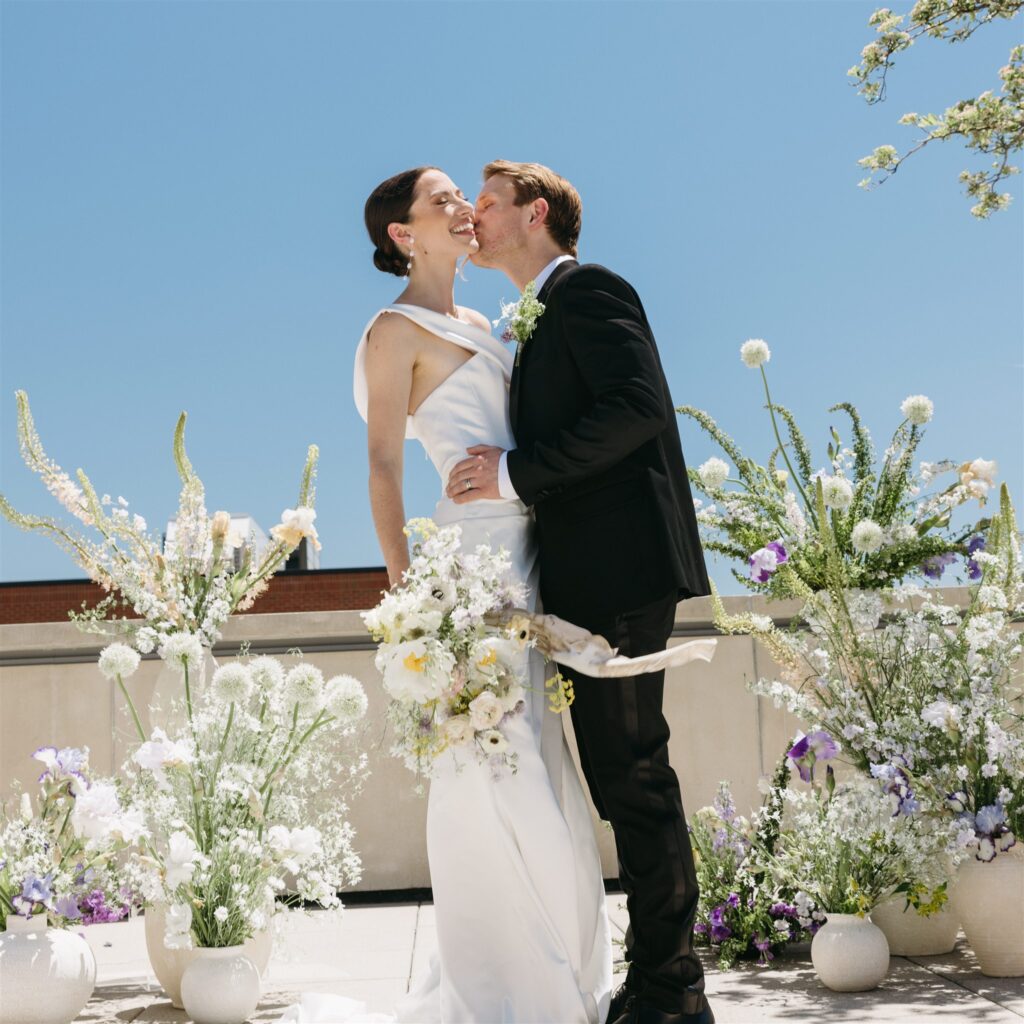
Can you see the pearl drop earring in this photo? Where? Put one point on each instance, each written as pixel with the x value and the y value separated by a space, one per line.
pixel 408 266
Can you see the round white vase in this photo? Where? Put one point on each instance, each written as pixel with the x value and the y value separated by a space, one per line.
pixel 169 964
pixel 911 934
pixel 220 986
pixel 989 897
pixel 46 974
pixel 850 953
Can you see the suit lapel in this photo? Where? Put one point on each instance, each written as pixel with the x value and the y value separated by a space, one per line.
pixel 515 386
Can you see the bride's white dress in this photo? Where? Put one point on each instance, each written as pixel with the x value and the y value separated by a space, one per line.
pixel 522 930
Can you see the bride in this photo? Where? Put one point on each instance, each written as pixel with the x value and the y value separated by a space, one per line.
pixel 522 930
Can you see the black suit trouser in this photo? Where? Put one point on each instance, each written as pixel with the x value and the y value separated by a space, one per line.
pixel 622 737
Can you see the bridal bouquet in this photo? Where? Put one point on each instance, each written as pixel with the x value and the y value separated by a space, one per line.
pixel 784 520
pixel 190 586
pixel 453 675
pixel 252 789
pixel 62 853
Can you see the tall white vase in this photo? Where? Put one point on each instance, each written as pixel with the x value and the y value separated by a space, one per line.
pixel 46 974
pixel 220 986
pixel 990 901
pixel 850 953
pixel 911 934
pixel 169 964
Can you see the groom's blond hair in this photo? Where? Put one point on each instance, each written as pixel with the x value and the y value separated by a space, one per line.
pixel 535 181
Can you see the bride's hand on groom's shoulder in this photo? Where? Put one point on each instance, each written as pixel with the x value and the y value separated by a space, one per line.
pixel 476 477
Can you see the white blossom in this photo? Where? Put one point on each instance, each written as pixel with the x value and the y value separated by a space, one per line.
pixel 754 352
pixel 918 409
pixel 118 660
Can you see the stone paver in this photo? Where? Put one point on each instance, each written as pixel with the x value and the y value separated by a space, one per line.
pixel 372 954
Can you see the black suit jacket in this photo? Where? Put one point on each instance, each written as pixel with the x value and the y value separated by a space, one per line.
pixel 598 453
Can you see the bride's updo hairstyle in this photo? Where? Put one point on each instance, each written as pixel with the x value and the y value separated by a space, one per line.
pixel 389 203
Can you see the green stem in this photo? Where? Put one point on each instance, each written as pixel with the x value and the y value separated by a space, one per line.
pixel 131 708
pixel 782 447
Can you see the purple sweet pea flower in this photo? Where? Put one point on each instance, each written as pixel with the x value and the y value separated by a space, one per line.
pixel 766 560
pixel 720 931
pixel 97 910
pixel 816 746
pixel 782 909
pixel 935 566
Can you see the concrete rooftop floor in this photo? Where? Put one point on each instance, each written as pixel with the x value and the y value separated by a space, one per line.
pixel 372 952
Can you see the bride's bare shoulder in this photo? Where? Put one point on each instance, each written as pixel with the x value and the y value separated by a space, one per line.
pixel 391 330
pixel 474 317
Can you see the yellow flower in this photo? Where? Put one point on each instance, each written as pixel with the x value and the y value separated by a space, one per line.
pixel 414 663
pixel 489 658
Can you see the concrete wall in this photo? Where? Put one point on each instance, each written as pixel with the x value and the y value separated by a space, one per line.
pixel 51 692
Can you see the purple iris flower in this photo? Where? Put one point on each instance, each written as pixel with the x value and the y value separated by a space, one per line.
pixel 764 946
pixel 37 890
pixel 734 899
pixel 66 763
pixel 766 560
pixel 700 928
pixel 896 784
pixel 935 566
pixel 816 746
pixel 67 906
pixel 782 909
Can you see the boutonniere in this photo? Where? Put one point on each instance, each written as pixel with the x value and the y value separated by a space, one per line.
pixel 520 318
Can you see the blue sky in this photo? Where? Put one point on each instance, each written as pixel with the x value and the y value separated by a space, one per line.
pixel 182 193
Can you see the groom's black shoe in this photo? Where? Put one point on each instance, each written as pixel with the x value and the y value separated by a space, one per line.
pixel 620 999
pixel 639 1012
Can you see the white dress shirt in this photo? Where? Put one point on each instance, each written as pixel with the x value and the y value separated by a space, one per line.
pixel 505 488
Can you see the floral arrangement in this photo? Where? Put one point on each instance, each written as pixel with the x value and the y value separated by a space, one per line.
pixel 453 674
pixel 192 586
pixel 61 853
pixel 782 522
pixel 924 694
pixel 252 788
pixel 744 913
pixel 520 318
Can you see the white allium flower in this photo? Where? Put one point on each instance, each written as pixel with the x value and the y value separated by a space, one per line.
pixel 181 651
pixel 118 660
pixel 267 673
pixel 713 473
pixel 232 683
pixel 304 685
pixel 221 914
pixel 867 536
pixel 837 492
pixel 346 698
pixel 754 352
pixel 918 409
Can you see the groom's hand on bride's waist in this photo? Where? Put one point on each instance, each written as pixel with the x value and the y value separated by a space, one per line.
pixel 476 477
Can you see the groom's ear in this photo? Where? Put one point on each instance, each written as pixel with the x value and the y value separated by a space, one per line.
pixel 538 212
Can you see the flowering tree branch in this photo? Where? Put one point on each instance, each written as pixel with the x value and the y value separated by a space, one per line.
pixel 989 124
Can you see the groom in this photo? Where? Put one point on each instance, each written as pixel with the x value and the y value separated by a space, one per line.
pixel 599 459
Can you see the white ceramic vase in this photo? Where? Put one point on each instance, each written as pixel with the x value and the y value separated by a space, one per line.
pixel 220 986
pixel 169 964
pixel 911 934
pixel 46 974
pixel 989 898
pixel 850 953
